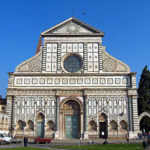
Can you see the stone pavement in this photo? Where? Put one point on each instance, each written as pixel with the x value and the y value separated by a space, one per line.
pixel 96 141
pixel 55 143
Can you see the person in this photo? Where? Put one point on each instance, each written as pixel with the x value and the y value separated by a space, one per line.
pixel 143 133
pixel 138 135
pixel 127 137
pixel 144 144
pixel 105 142
pixel 148 141
pixel 25 141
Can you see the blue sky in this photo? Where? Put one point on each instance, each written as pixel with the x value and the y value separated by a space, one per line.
pixel 126 24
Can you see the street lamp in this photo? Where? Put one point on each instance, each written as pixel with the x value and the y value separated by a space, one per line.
pixel 23 125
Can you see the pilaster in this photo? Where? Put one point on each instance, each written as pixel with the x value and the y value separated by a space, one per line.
pixel 130 117
pixel 59 58
pixel 100 59
pixel 44 58
pixel 9 111
pixel 133 110
pixel 133 80
pixel 135 113
pixel 85 67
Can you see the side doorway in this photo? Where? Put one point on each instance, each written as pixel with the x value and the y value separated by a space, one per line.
pixel 40 129
pixel 40 125
pixel 103 126
pixel 103 129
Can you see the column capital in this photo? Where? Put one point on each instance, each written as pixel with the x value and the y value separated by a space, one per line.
pixel 132 92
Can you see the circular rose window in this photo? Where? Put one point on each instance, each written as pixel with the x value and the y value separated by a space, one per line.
pixel 72 63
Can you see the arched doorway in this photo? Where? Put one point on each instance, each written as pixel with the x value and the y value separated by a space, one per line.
pixel 103 127
pixel 70 119
pixel 144 121
pixel 145 124
pixel 40 125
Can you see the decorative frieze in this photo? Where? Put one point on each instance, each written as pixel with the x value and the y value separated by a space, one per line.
pixel 122 81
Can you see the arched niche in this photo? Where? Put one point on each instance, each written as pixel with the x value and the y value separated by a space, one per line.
pixel 50 125
pixel 92 126
pixel 113 125
pixel 123 125
pixel 20 125
pixel 30 125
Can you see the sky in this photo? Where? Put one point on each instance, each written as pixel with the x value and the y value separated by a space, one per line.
pixel 126 24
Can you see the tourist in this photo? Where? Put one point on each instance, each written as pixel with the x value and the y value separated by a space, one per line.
pixel 25 141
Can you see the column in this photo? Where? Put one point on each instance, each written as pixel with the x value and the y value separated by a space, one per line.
pixel 85 112
pixel 57 116
pixel 85 116
pixel 82 124
pixel 130 119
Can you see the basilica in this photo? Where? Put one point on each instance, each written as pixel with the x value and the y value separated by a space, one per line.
pixel 72 88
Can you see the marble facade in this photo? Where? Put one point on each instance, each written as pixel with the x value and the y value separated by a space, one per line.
pixel 43 90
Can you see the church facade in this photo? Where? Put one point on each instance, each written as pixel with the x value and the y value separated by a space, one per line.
pixel 72 88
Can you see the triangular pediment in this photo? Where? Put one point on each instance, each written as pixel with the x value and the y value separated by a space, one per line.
pixel 72 26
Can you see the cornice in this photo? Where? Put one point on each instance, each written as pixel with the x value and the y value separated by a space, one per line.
pixel 71 74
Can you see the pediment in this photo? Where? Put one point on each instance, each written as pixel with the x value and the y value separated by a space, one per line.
pixel 72 26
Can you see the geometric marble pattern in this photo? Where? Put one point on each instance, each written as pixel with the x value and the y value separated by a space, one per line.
pixel 73 81
pixel 93 61
pixel 51 58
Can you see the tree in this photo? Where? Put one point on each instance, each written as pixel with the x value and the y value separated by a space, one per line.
pixel 144 92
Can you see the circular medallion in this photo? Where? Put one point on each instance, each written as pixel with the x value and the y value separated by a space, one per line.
pixel 72 28
pixel 35 65
pixel 72 63
pixel 109 65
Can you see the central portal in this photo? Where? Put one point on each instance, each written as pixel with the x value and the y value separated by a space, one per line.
pixel 71 120
pixel 72 126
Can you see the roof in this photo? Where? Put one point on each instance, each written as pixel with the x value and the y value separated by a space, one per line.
pixel 62 29
pixel 3 101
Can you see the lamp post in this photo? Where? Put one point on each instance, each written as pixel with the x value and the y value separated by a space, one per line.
pixel 127 134
pixel 23 125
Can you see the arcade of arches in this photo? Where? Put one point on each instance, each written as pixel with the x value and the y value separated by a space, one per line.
pixel 71 123
pixel 35 128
